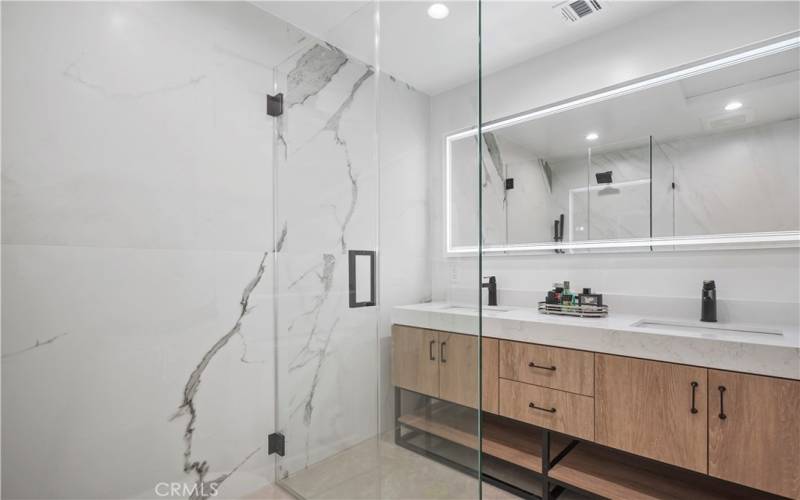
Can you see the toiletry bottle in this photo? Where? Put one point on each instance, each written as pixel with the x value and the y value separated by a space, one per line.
pixel 566 295
pixel 558 288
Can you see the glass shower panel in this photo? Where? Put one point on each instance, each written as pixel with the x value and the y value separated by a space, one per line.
pixel 353 168
pixel 664 187
pixel 429 423
pixel 326 216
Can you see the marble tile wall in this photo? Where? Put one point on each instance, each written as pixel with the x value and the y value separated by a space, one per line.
pixel 764 193
pixel 137 238
pixel 138 245
pixel 330 200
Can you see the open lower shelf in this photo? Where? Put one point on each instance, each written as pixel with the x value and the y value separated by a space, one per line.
pixel 611 474
pixel 507 440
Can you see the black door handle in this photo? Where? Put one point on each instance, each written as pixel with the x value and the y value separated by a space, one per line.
pixel 430 350
pixel 694 389
pixel 548 410
pixel 441 352
pixel 534 365
pixel 722 390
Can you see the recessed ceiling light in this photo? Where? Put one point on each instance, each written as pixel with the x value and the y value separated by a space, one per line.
pixel 733 106
pixel 592 136
pixel 438 11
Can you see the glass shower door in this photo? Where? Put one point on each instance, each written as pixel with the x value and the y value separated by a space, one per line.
pixel 352 167
pixel 326 236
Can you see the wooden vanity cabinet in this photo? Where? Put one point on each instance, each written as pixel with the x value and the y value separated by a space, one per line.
pixel 445 365
pixel 741 428
pixel 653 409
pixel 458 369
pixel 415 359
pixel 754 431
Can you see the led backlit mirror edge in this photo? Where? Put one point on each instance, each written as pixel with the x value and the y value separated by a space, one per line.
pixel 768 47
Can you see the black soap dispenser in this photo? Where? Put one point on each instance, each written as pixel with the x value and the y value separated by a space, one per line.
pixel 709 302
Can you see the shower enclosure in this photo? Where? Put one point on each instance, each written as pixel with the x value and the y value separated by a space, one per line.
pixel 352 170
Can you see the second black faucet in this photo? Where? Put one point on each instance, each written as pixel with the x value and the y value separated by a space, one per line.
pixel 492 286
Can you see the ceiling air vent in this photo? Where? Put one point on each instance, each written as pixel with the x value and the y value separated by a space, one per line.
pixel 573 12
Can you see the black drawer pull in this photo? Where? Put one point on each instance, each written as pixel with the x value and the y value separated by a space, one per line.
pixel 430 350
pixel 722 390
pixel 548 410
pixel 694 389
pixel 534 365
pixel 441 352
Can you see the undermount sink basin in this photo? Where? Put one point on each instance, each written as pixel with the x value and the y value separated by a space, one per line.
pixel 697 327
pixel 475 308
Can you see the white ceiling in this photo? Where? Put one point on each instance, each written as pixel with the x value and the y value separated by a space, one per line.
pixel 434 56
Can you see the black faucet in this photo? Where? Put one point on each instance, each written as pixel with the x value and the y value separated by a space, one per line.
pixel 709 302
pixel 492 286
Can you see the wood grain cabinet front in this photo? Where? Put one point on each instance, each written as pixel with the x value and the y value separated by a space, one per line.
pixel 556 410
pixel 415 359
pixel 458 368
pixel 490 365
pixel 754 431
pixel 653 409
pixel 563 369
pixel 445 365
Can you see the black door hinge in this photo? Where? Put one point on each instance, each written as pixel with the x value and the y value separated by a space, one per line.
pixel 275 105
pixel 509 183
pixel 276 443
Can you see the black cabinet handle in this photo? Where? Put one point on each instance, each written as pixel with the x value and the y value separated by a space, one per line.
pixel 441 352
pixel 694 390
pixel 430 350
pixel 722 390
pixel 548 410
pixel 534 365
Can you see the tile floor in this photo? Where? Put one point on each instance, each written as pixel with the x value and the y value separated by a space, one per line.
pixel 379 469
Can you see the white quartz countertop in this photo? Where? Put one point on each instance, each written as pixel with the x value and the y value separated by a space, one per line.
pixel 688 342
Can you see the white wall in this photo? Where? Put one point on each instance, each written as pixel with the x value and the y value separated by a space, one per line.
pixel 137 210
pixel 673 36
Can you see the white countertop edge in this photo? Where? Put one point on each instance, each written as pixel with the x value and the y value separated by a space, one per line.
pixel 772 355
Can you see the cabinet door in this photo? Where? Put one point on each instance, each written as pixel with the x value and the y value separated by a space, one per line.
pixel 415 359
pixel 490 368
pixel 458 368
pixel 754 431
pixel 645 407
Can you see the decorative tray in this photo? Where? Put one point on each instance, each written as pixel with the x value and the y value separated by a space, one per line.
pixel 585 311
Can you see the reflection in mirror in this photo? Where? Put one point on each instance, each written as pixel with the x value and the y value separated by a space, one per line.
pixel 709 155
pixel 619 191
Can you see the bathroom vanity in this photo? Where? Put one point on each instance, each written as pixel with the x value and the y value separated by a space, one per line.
pixel 619 407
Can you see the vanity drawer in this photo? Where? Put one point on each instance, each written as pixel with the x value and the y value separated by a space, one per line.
pixel 562 369
pixel 560 411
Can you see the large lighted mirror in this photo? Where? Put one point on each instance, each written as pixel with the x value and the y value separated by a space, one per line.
pixel 706 154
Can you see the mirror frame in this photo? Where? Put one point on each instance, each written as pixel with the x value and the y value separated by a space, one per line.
pixel 767 47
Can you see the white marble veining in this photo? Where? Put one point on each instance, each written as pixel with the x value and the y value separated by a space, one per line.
pixel 759 353
pixel 331 200
pixel 136 193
